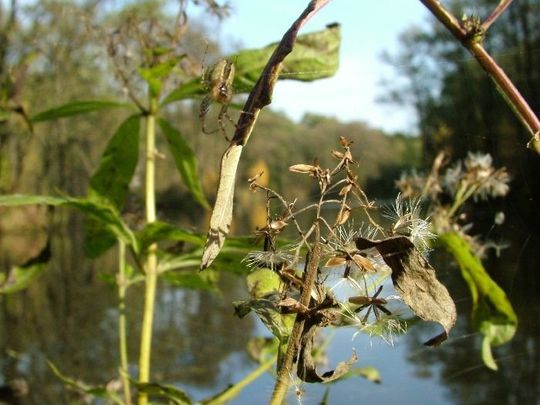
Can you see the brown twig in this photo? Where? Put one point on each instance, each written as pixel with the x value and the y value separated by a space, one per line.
pixel 261 94
pixel 473 44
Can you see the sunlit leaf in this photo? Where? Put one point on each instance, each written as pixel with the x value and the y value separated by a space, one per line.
pixel 169 392
pixel 76 107
pixel 187 90
pixel 102 212
pixel 262 282
pixel 95 391
pixel 269 313
pixel 415 280
pixel 20 277
pixel 185 161
pixel 369 373
pixel 315 56
pixel 492 312
pixel 156 75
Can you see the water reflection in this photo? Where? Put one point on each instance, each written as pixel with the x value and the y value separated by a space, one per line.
pixel 69 316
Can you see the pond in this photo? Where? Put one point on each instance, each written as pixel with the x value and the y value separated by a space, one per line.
pixel 69 317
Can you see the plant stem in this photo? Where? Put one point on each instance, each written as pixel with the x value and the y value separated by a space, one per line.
pixel 505 86
pixel 122 336
pixel 286 366
pixel 150 267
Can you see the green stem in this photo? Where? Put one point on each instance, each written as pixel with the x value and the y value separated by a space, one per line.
pixel 122 336
pixel 150 266
pixel 235 389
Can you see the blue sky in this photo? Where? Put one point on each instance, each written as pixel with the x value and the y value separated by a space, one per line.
pixel 368 28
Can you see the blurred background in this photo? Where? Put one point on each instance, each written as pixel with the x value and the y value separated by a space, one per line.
pixel 405 90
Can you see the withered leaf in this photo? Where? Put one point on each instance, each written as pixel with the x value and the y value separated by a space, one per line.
pixel 220 221
pixel 415 280
pixel 306 368
pixel 290 305
pixel 303 168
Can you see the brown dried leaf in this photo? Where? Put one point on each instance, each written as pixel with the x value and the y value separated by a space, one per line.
pixel 290 305
pixel 277 225
pixel 335 261
pixel 303 168
pixel 344 214
pixel 306 369
pixel 220 222
pixel 363 263
pixel 416 282
pixel 337 154
pixel 345 190
pixel 344 142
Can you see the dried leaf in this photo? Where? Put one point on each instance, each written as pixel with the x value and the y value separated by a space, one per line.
pixel 363 263
pixel 335 261
pixel 345 190
pixel 344 214
pixel 220 222
pixel 337 154
pixel 303 168
pixel 278 225
pixel 416 282
pixel 307 370
pixel 290 305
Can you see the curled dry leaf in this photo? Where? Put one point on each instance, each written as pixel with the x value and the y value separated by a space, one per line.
pixel 303 168
pixel 416 282
pixel 307 369
pixel 344 214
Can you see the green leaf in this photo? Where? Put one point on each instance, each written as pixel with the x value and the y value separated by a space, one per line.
pixel 368 372
pixel 315 56
pixel 76 107
pixel 20 277
pixel 170 392
pixel 158 231
pixel 110 182
pixel 185 161
pixel 117 165
pixel 156 75
pixel 492 312
pixel 192 279
pixel 100 211
pixel 95 391
pixel 188 90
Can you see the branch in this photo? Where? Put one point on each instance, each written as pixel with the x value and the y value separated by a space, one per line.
pixel 473 44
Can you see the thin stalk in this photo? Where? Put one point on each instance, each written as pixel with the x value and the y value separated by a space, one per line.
pixel 150 266
pixel 122 335
pixel 310 276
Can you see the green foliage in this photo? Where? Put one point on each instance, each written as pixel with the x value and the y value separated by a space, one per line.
pixel 20 277
pixel 104 213
pixel 492 313
pixel 169 392
pixel 315 56
pixel 185 161
pixel 110 182
pixel 75 108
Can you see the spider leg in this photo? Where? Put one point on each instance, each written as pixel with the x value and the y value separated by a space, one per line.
pixel 223 114
pixel 383 309
pixel 203 111
pixel 364 320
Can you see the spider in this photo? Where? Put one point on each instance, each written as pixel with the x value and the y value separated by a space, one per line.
pixel 372 303
pixel 218 83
